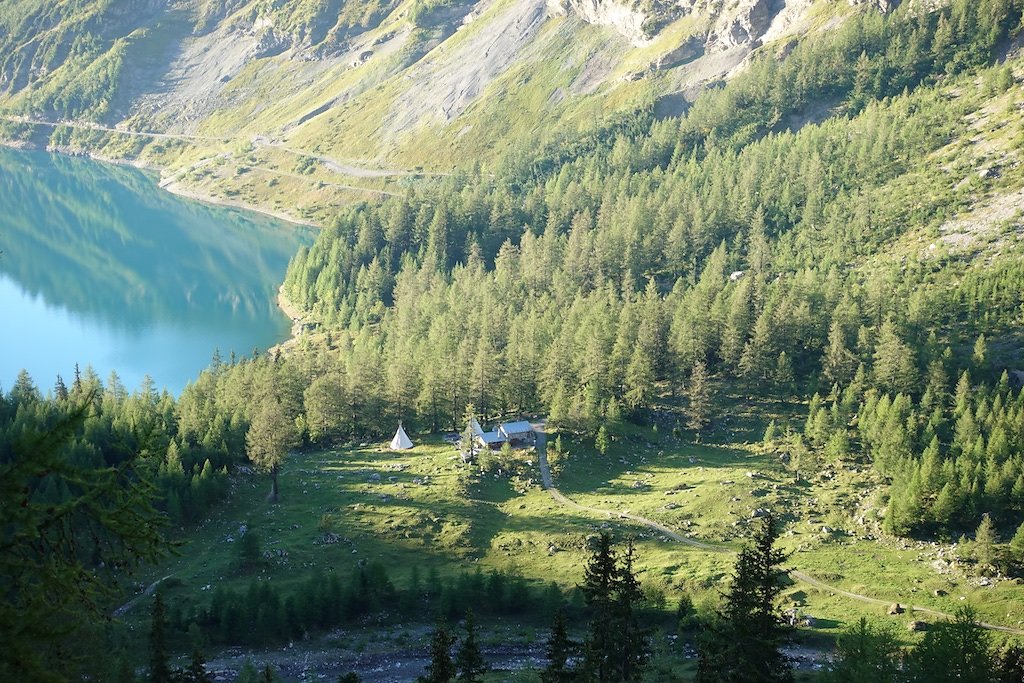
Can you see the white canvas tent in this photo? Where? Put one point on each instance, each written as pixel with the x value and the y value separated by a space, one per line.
pixel 401 442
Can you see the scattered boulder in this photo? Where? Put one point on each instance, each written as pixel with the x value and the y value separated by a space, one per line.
pixel 917 626
pixel 895 608
pixel 939 593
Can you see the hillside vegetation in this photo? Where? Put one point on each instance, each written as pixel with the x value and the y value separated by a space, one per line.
pixel 804 294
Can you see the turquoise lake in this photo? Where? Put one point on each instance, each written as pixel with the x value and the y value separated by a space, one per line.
pixel 102 268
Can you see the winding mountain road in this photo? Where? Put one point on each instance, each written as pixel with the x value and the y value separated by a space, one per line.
pixel 345 168
pixel 562 499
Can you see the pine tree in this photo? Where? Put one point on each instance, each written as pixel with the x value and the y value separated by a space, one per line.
pixel 956 651
pixel 599 583
pixel 196 672
pixel 632 639
pixel 744 643
pixel 558 651
pixel 441 668
pixel 469 663
pixel 601 441
pixel 159 667
pixel 866 652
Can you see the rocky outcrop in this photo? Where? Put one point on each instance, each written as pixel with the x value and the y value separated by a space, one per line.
pixel 691 49
pixel 268 41
pixel 745 24
pixel 884 6
pixel 628 21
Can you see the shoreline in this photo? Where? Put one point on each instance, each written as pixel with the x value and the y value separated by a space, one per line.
pixel 298 319
pixel 166 184
pixel 192 195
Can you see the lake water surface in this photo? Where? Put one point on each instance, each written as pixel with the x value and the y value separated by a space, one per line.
pixel 100 267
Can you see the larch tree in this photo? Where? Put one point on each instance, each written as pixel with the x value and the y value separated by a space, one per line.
pixel 839 362
pixel 698 394
pixel 324 402
pixel 894 366
pixel 985 542
pixel 271 435
pixel 1017 545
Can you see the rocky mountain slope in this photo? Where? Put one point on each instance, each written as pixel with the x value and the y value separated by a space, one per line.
pixel 246 91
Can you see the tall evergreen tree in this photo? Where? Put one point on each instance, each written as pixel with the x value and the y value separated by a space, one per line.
pixel 744 644
pixel 469 662
pixel 957 650
pixel 599 583
pixel 441 668
pixel 159 666
pixel 196 672
pixel 866 652
pixel 632 639
pixel 271 435
pixel 598 590
pixel 698 394
pixel 558 651
pixel 616 648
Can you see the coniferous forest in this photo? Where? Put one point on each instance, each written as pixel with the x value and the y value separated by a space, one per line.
pixel 788 246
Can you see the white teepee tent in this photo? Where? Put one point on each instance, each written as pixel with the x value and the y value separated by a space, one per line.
pixel 401 442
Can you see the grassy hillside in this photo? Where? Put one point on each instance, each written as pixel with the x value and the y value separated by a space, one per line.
pixel 424 512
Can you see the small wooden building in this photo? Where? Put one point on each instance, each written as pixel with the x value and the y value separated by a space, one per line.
pixel 518 433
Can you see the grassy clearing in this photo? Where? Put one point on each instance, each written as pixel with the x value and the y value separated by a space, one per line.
pixel 424 508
